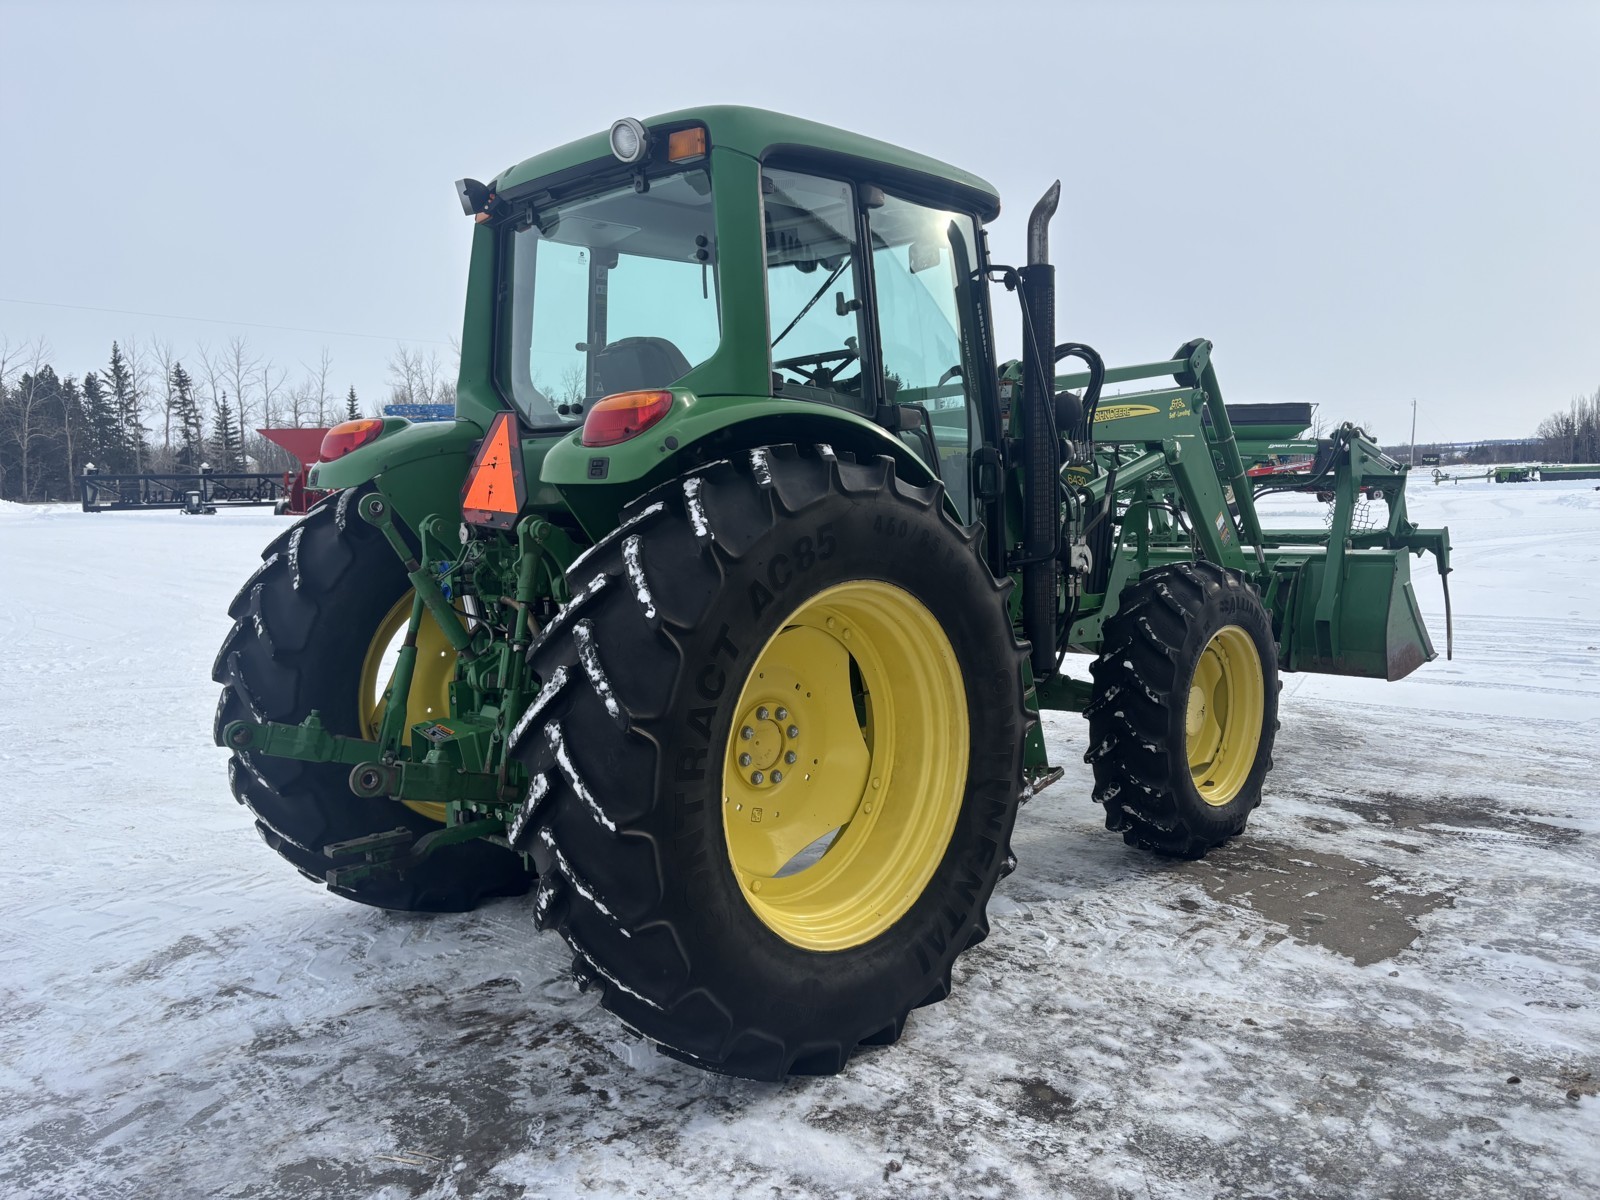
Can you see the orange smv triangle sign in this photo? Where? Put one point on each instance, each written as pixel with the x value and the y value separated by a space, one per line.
pixel 494 492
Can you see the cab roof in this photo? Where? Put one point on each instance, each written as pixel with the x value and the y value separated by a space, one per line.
pixel 757 132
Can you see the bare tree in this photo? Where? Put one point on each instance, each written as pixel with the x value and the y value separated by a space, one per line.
pixel 574 383
pixel 271 379
pixel 210 376
pixel 414 376
pixel 240 371
pixel 317 378
pixel 1574 435
pixel 301 401
pixel 161 353
pixel 10 361
pixel 141 371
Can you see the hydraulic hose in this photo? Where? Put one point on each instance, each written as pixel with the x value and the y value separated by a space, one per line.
pixel 1090 358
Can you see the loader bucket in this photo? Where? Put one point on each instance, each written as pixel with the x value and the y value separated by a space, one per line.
pixel 1369 626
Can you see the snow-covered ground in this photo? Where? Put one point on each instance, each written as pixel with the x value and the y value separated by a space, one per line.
pixel 1388 987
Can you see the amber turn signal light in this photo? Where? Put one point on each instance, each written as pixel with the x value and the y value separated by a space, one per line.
pixel 624 415
pixel 349 435
pixel 686 144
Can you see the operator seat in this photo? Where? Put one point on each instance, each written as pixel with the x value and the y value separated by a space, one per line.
pixel 635 364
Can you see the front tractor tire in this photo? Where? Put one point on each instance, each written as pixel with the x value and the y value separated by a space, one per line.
pixel 309 631
pixel 775 760
pixel 1184 710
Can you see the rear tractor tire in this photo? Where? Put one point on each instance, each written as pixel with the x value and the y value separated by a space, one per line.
pixel 310 627
pixel 1185 709
pixel 775 760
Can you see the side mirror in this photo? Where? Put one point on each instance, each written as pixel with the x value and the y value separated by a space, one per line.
pixel 474 196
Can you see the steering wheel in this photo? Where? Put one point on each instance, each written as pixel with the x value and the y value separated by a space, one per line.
pixel 814 368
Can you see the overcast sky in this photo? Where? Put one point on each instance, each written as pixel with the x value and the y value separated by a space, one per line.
pixel 1361 205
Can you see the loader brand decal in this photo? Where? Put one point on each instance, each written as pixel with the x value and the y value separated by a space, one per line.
pixel 1118 412
pixel 1180 408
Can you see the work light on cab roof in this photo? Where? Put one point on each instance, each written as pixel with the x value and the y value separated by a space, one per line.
pixel 629 140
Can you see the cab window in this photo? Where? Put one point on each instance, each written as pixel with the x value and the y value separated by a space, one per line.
pixel 923 265
pixel 813 309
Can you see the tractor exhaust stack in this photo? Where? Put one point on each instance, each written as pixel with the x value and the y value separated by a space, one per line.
pixel 1041 447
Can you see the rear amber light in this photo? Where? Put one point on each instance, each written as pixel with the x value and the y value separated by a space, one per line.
pixel 349 435
pixel 686 144
pixel 624 415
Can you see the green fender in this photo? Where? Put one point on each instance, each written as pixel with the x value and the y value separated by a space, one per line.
pixel 418 467
pixel 400 443
pixel 421 467
pixel 597 482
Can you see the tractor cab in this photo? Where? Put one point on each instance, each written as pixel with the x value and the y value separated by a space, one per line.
pixel 680 267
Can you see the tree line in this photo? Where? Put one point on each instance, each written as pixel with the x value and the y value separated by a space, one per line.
pixel 1572 436
pixel 147 411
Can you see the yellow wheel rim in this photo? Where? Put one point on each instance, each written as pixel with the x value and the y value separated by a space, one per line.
pixel 430 680
pixel 846 766
pixel 1223 721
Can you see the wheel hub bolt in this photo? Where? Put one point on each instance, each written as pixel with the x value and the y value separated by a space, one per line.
pixel 747 733
pixel 744 760
pixel 777 777
pixel 757 777
pixel 761 714
pixel 789 757
pixel 794 731
pixel 782 714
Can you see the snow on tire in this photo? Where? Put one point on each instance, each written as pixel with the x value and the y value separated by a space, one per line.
pixel 625 814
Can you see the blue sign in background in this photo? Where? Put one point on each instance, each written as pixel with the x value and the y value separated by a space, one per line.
pixel 421 412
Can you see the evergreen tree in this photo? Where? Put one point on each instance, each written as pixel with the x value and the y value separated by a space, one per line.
pixel 26 430
pixel 352 407
pixel 224 437
pixel 125 402
pixel 102 439
pixel 69 448
pixel 191 435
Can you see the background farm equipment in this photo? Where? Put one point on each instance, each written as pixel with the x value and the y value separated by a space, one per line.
pixel 722 612
pixel 205 490
pixel 1534 473
pixel 1568 471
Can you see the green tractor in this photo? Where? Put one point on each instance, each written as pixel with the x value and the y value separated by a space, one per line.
pixel 723 611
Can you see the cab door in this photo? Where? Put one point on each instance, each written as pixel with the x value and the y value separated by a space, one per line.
pixel 933 361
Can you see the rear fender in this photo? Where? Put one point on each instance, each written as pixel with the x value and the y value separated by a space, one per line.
pixel 597 482
pixel 418 467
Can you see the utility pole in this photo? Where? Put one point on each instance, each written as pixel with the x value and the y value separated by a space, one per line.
pixel 1413 432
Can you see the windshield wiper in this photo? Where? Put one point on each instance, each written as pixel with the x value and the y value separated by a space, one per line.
pixel 826 284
